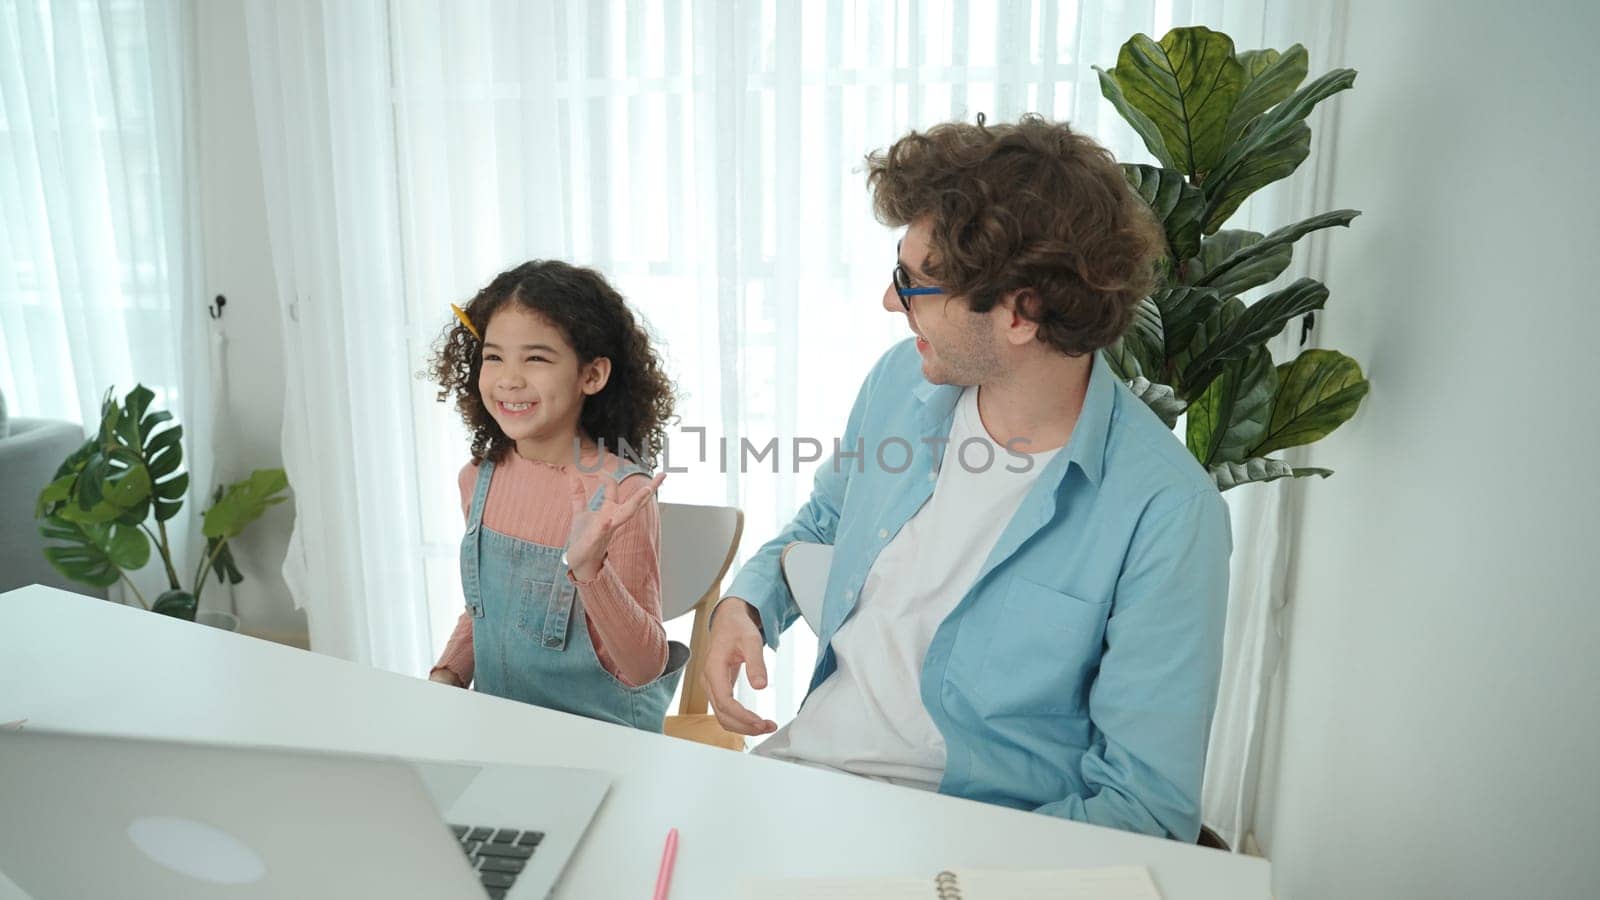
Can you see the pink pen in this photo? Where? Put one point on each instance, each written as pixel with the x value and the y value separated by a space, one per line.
pixel 669 855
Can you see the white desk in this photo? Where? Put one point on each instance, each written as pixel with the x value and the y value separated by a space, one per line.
pixel 73 663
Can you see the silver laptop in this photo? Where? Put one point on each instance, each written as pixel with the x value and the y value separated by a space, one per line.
pixel 88 816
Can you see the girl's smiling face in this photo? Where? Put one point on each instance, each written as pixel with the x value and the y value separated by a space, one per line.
pixel 533 383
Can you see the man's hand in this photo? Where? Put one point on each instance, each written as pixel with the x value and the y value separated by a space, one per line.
pixel 445 676
pixel 735 641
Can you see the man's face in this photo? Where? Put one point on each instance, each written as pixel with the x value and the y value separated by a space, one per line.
pixel 958 346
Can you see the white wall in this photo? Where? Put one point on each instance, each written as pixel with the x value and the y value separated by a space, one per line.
pixel 1440 706
pixel 239 266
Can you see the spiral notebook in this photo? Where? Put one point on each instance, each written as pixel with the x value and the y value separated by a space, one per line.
pixel 1109 883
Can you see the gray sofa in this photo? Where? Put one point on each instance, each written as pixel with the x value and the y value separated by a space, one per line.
pixel 30 451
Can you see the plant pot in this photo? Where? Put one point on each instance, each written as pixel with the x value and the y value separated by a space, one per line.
pixel 216 618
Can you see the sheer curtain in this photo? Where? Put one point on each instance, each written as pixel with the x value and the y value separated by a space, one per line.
pixel 1264 515
pixel 320 79
pixel 99 254
pixel 707 158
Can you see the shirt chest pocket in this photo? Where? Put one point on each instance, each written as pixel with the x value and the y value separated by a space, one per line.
pixel 1045 649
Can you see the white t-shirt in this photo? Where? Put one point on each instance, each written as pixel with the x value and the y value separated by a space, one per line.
pixel 868 718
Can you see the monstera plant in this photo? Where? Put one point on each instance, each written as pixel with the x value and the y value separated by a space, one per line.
pixel 1223 124
pixel 100 506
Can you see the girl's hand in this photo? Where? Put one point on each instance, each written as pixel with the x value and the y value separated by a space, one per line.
pixel 594 524
pixel 445 676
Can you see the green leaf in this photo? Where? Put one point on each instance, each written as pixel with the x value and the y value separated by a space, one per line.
pixel 81 560
pixel 90 491
pixel 1317 392
pixel 54 495
pixel 1256 61
pixel 1272 162
pixel 224 566
pixel 62 492
pixel 1176 203
pixel 1183 309
pixel 1207 333
pixel 177 604
pixel 1187 86
pixel 114 485
pixel 1258 269
pixel 1160 398
pixel 137 401
pixel 1124 364
pixel 161 451
pixel 169 496
pixel 74 463
pixel 1253 327
pixel 1278 242
pixel 94 554
pixel 126 482
pixel 135 515
pixel 100 513
pixel 1231 416
pixel 164 451
pixel 1256 469
pixel 1144 338
pixel 147 425
pixel 1270 149
pixel 132 413
pixel 1271 79
pixel 110 418
pixel 1140 122
pixel 244 502
pixel 128 547
pixel 89 505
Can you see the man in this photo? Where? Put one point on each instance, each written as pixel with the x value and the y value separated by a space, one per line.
pixel 1030 573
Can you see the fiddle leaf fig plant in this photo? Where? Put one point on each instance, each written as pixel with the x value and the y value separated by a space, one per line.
pixel 1223 124
pixel 99 509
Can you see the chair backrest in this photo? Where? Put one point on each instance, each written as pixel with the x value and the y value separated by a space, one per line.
pixel 697 547
pixel 805 568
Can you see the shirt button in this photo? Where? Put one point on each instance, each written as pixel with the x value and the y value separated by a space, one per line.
pixel 933 476
pixel 472 529
pixel 552 642
pixel 883 532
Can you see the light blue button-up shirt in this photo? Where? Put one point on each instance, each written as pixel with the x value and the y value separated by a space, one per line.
pixel 1078 675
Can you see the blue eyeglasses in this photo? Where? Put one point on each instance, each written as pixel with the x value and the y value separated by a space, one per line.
pixel 902 283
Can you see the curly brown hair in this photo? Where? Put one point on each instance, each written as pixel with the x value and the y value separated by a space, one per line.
pixel 632 410
pixel 1025 205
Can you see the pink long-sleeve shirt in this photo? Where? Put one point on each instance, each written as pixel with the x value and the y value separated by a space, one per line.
pixel 532 501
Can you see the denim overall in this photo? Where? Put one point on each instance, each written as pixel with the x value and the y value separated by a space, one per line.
pixel 530 638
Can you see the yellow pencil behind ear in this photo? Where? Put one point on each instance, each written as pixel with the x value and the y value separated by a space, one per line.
pixel 461 314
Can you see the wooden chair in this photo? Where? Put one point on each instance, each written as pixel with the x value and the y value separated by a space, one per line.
pixel 697 547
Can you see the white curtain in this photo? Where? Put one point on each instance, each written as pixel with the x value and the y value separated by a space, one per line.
pixel 1264 515
pixel 99 249
pixel 707 158
pixel 320 75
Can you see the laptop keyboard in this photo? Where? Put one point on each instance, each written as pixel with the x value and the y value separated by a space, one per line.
pixel 497 854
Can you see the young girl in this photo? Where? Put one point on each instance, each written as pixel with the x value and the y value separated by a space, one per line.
pixel 559 562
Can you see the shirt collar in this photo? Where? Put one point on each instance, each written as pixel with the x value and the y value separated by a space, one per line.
pixel 1087 446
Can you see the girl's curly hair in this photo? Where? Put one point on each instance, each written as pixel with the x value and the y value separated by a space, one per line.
pixel 1026 205
pixel 632 410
